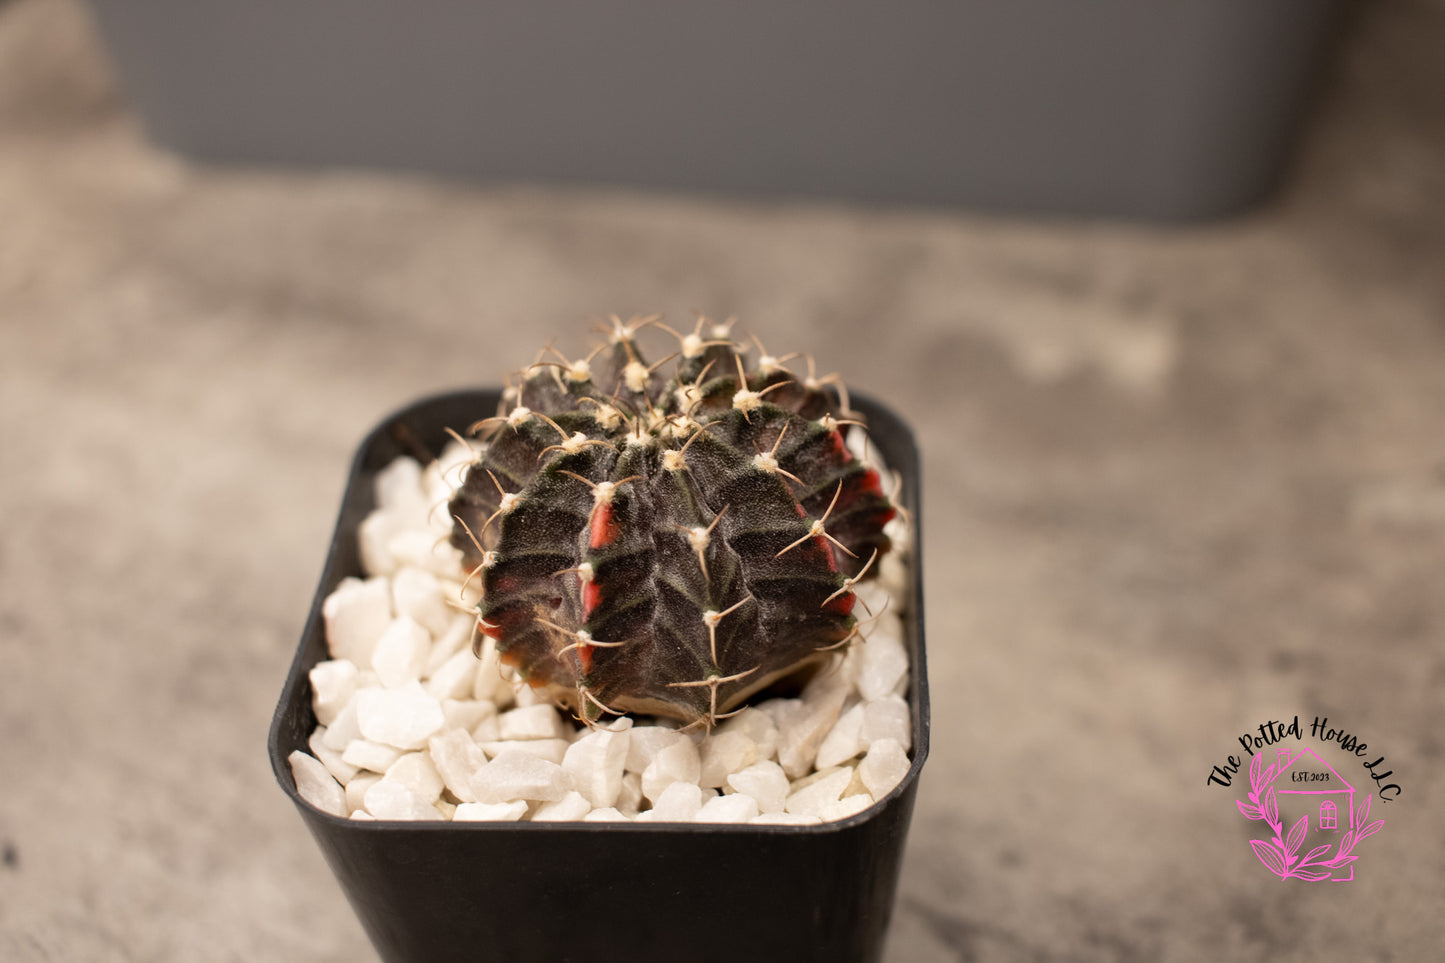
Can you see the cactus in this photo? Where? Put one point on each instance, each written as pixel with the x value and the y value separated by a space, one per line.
pixel 668 546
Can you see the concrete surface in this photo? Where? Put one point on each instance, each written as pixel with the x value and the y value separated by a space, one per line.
pixel 1179 482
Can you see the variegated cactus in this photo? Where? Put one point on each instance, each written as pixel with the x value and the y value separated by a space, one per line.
pixel 668 544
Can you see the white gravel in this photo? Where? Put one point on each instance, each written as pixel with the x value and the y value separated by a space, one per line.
pixel 414 726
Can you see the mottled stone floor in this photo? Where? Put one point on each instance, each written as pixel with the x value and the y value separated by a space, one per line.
pixel 1179 481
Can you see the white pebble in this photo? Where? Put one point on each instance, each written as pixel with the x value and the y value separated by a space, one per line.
pixel 524 695
pixel 605 815
pixel 333 683
pixel 781 712
pixel 466 713
pixel 356 614
pixel 873 596
pixel 766 782
pixel 724 753
pixel 678 803
pixel 758 726
pixel 330 758
pixel 884 767
pixel 371 756
pixel 596 762
pixel 900 534
pixel 645 742
pixel 449 464
pixel 814 798
pixel 398 488
pixel 843 741
pixel 417 593
pixel 807 721
pixel 508 812
pixel 488 730
pixel 457 758
pixel 552 750
pixel 888 718
pixel 845 807
pixel 846 668
pixel 373 538
pixel 356 788
pixel 468 594
pixel 629 800
pixel 784 819
pixel 532 722
pixel 828 687
pixel 733 808
pixel 884 664
pixel 316 785
pixel 417 772
pixel 343 729
pixel 890 623
pixel 445 474
pixel 517 775
pixel 455 678
pixel 893 574
pixel 404 717
pixel 400 653
pixel 439 493
pixel 812 777
pixel 570 807
pixel 390 799
pixel 419 548
pixel 454 638
pixel 676 762
pixel 489 683
pixel 855 786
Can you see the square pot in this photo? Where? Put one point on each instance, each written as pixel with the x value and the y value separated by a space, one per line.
pixel 638 892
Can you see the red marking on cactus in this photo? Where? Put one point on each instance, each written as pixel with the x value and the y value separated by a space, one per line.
pixel 604 529
pixel 584 656
pixel 842 605
pixel 512 658
pixel 862 486
pixel 591 598
pixel 840 447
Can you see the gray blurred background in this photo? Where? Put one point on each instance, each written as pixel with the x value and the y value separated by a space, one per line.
pixel 1180 479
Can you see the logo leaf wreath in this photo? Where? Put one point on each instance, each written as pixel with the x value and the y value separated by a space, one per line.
pixel 1278 854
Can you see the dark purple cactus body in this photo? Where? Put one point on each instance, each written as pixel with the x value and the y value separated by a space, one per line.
pixel 672 546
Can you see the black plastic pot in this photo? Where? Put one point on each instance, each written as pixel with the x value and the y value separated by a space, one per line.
pixel 603 891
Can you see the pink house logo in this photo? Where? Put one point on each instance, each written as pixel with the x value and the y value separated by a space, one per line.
pixel 1301 790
